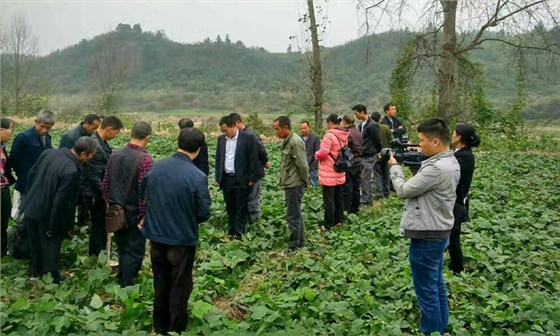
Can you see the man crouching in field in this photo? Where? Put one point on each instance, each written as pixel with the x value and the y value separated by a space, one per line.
pixel 428 219
pixel 177 200
pixel 50 203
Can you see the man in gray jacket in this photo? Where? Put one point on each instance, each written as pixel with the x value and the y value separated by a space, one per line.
pixel 294 178
pixel 428 219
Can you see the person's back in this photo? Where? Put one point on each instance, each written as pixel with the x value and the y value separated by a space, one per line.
pixel 177 200
pixel 385 134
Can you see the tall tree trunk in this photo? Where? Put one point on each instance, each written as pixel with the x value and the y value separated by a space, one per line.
pixel 447 83
pixel 316 71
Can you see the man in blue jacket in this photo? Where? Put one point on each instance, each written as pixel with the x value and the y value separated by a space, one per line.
pixel 177 197
pixel 28 146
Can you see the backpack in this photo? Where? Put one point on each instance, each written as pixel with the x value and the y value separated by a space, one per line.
pixel 343 162
pixel 17 242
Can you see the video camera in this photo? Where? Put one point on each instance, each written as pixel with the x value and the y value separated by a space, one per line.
pixel 404 156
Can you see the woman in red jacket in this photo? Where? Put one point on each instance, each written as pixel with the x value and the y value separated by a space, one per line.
pixel 332 181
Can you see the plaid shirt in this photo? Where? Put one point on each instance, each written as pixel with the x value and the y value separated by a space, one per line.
pixel 143 169
pixel 3 158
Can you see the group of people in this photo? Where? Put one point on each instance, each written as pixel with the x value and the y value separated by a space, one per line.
pixel 165 201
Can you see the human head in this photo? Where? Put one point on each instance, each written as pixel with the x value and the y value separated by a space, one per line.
pixel 376 116
pixel 91 123
pixel 7 127
pixel 110 127
pixel 390 110
pixel 360 112
pixel 348 120
pixel 466 135
pixel 185 123
pixel 44 122
pixel 237 120
pixel 84 149
pixel 227 126
pixel 305 128
pixel 190 141
pixel 283 127
pixel 434 136
pixel 333 121
pixel 141 133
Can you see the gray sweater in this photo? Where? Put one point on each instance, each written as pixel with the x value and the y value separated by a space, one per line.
pixel 430 196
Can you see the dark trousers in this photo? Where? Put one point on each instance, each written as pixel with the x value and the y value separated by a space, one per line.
pixel 381 173
pixel 236 199
pixel 44 252
pixel 5 210
pixel 333 203
pixel 131 244
pixel 455 251
pixel 98 231
pixel 294 216
pixel 352 189
pixel 173 284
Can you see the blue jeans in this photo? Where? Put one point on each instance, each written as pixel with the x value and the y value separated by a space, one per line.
pixel 314 177
pixel 426 263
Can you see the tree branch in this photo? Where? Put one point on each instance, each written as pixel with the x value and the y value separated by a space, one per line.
pixel 547 48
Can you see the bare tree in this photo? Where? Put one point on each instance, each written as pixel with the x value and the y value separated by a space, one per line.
pixel 111 61
pixel 19 50
pixel 316 72
pixel 441 30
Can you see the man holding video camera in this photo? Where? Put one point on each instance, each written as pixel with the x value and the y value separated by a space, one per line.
pixel 428 219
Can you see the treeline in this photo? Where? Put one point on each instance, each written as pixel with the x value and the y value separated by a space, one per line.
pixel 218 73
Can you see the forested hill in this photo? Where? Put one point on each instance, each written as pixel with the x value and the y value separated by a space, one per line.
pixel 160 74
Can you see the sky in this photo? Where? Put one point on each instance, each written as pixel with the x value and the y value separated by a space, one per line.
pixel 261 23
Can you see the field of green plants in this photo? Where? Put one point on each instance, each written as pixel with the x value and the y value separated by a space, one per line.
pixel 353 281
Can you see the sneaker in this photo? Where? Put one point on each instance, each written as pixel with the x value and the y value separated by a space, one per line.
pixel 323 229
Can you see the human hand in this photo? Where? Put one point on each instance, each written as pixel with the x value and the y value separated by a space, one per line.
pixel 392 160
pixel 401 126
pixel 268 164
pixel 140 224
pixel 251 184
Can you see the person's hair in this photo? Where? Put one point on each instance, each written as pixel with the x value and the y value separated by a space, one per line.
pixel 46 116
pixel 435 128
pixel 387 107
pixel 91 118
pixel 112 121
pixel 6 123
pixel 185 123
pixel 334 118
pixel 376 116
pixel 85 144
pixel 236 117
pixel 283 121
pixel 190 139
pixel 227 120
pixel 305 122
pixel 349 119
pixel 141 130
pixel 468 135
pixel 360 108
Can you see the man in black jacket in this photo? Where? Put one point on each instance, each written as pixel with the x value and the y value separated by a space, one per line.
pixel 125 171
pixel 201 160
pixel 177 200
pixel 236 173
pixel 312 144
pixel 91 182
pixel 85 128
pixel 254 202
pixel 372 147
pixel 391 120
pixel 50 203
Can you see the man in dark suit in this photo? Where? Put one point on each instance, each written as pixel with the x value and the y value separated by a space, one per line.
pixel 236 173
pixel 391 120
pixel 28 146
pixel 50 203
pixel 85 128
pixel 312 144
pixel 91 182
pixel 201 160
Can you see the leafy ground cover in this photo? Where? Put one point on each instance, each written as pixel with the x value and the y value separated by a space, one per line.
pixel 353 281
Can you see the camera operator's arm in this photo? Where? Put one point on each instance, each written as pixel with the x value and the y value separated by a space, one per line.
pixel 419 184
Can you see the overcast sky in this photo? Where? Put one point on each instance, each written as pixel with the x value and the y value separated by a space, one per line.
pixel 263 23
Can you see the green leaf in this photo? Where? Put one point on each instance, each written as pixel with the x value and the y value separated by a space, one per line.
pixel 96 302
pixel 259 312
pixel 20 304
pixel 200 308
